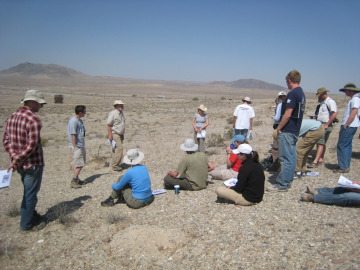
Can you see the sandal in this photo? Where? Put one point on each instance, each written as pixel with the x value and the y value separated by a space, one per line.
pixel 313 165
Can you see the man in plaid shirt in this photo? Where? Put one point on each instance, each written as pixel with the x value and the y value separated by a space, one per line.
pixel 23 143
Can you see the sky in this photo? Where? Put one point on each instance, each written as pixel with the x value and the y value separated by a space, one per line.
pixel 188 40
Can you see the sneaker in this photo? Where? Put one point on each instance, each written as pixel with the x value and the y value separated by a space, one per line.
pixel 307 197
pixel 311 191
pixel 76 184
pixel 276 189
pixel 109 202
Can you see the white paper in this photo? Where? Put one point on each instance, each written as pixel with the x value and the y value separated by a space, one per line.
pixel 312 173
pixel 230 182
pixel 344 182
pixel 201 134
pixel 5 178
pixel 159 191
pixel 112 143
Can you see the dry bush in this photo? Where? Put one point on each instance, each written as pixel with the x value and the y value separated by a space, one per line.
pixel 258 123
pixel 44 141
pixel 13 210
pixel 215 140
pixel 113 218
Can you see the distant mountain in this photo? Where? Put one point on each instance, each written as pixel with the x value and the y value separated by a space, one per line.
pixel 51 70
pixel 249 83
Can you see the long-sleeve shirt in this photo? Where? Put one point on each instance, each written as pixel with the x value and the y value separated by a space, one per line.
pixel 251 181
pixel 22 138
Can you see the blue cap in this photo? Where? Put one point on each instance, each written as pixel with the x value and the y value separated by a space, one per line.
pixel 238 138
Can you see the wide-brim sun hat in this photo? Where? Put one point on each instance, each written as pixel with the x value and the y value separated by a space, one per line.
pixel 282 93
pixel 350 87
pixel 243 149
pixel 202 107
pixel 118 102
pixel 238 138
pixel 133 157
pixel 247 99
pixel 189 145
pixel 34 95
pixel 321 91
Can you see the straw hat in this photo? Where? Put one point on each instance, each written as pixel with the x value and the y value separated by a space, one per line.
pixel 202 107
pixel 133 157
pixel 118 102
pixel 34 95
pixel 189 145
pixel 247 99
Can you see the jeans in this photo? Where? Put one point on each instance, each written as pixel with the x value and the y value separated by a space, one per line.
pixel 344 146
pixel 31 179
pixel 243 132
pixel 337 196
pixel 287 158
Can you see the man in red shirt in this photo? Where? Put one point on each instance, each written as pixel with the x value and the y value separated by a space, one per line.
pixel 23 143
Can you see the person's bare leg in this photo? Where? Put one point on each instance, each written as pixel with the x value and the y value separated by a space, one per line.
pixel 319 154
pixel 77 172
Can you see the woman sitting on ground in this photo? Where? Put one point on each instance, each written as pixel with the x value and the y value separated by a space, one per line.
pixel 249 189
pixel 134 187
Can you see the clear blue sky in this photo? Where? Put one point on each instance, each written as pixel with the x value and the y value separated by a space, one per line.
pixel 191 40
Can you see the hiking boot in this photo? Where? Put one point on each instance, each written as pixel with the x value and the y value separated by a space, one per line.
pixel 76 184
pixel 109 202
pixel 341 170
pixel 307 197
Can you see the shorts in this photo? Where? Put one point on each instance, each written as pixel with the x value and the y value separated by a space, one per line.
pixel 325 137
pixel 79 155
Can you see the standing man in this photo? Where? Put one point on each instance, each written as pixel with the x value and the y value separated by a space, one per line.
pixel 116 129
pixel 23 143
pixel 349 125
pixel 288 132
pixel 243 118
pixel 76 138
pixel 326 114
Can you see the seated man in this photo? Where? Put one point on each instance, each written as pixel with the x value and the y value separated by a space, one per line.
pixel 134 187
pixel 333 196
pixel 233 164
pixel 192 171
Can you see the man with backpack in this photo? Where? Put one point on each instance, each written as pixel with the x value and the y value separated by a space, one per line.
pixel 326 113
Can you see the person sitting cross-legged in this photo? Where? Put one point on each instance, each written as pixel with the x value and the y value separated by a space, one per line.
pixel 134 187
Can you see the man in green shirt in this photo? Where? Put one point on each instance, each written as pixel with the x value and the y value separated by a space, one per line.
pixel 192 171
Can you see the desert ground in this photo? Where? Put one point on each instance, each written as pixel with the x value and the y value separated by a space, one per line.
pixel 186 231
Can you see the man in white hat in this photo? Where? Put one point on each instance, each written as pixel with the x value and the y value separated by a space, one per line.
pixel 349 125
pixel 23 143
pixel 115 124
pixel 192 171
pixel 243 118
pixel 326 113
pixel 134 187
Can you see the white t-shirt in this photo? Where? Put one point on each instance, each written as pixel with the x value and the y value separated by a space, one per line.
pixel 353 103
pixel 243 113
pixel 324 114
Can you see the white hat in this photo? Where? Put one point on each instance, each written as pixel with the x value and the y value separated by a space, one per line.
pixel 118 102
pixel 202 107
pixel 133 157
pixel 247 99
pixel 243 149
pixel 189 145
pixel 282 93
pixel 34 95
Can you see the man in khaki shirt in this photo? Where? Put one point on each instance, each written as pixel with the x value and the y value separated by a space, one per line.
pixel 116 130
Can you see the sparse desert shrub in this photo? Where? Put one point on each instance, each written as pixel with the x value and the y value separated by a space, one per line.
pixel 215 140
pixel 134 95
pixel 222 98
pixel 195 99
pixel 228 134
pixel 257 123
pixel 113 218
pixel 211 152
pixel 13 210
pixel 230 120
pixel 44 142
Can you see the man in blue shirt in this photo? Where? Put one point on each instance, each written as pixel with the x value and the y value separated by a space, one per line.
pixel 288 132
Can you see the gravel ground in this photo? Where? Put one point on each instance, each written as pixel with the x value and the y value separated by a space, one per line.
pixel 185 231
